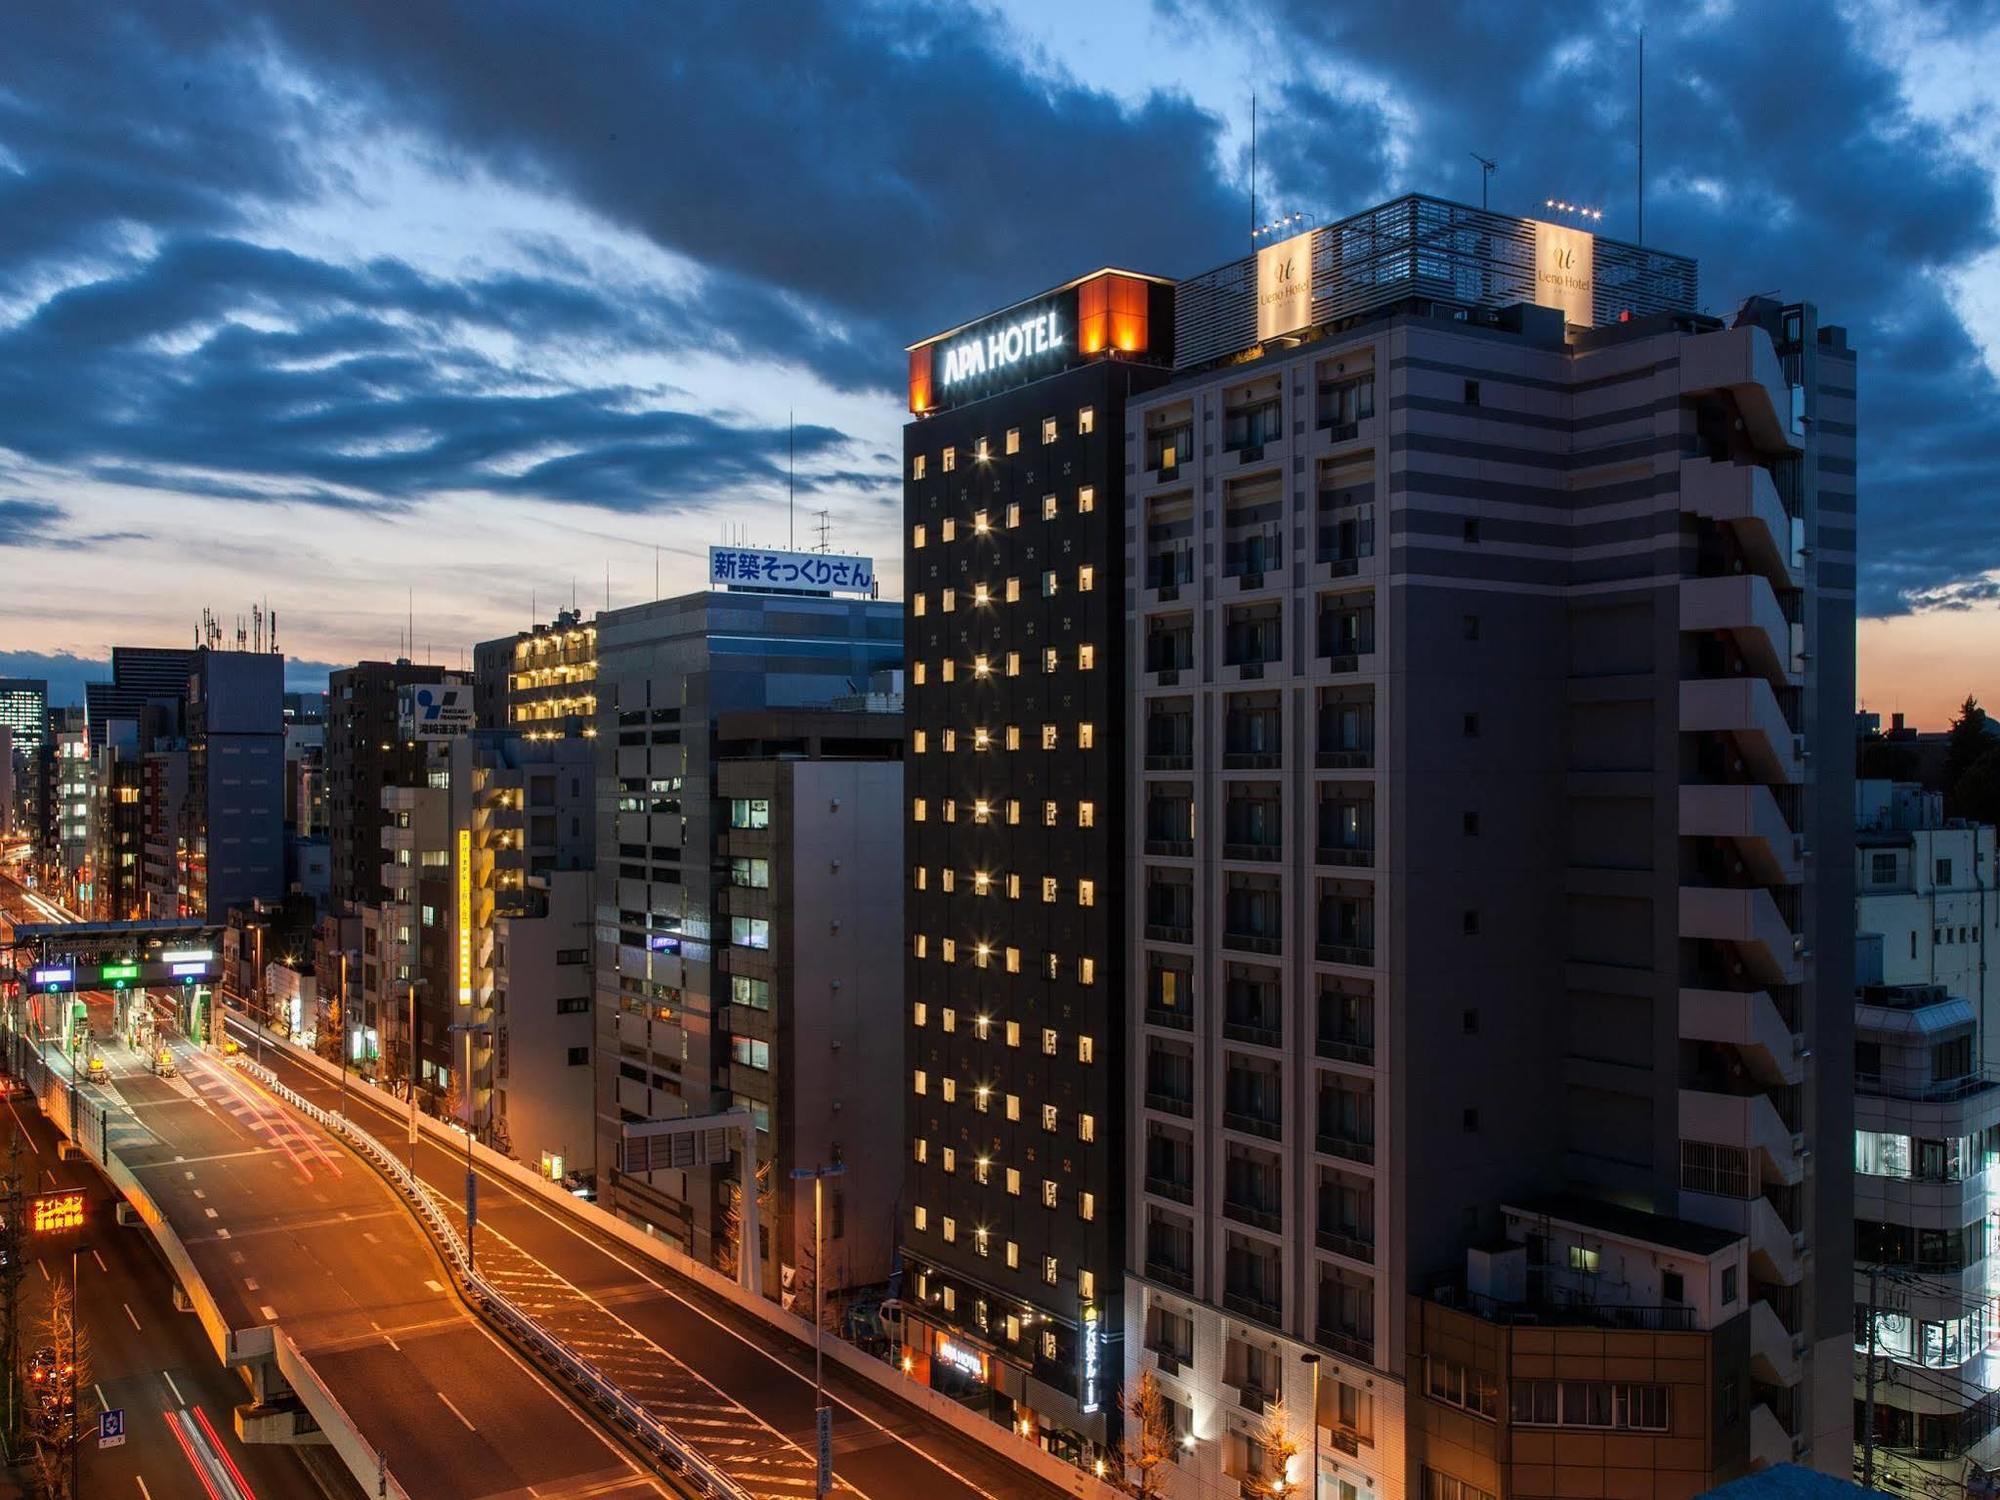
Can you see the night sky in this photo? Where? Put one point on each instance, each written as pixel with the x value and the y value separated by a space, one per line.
pixel 326 303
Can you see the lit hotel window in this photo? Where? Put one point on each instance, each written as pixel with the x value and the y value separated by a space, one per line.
pixel 1086 736
pixel 980 450
pixel 917 470
pixel 1086 420
pixel 1086 971
pixel 1048 436
pixel 1014 514
pixel 922 944
pixel 1013 440
pixel 950 672
pixel 1086 579
pixel 1013 821
pixel 981 1098
pixel 1049 1334
pixel 1048 888
pixel 981 667
pixel 950 1227
pixel 980 595
pixel 917 673
pixel 1014 1181
pixel 946 876
pixel 1013 1264
pixel 919 1013
pixel 1048 736
pixel 979 1246
pixel 1013 1106
pixel 948 1019
pixel 1048 507
pixel 950 806
pixel 1086 893
pixel 1086 1284
pixel 948 530
pixel 950 741
pixel 918 741
pixel 1086 655
pixel 981 1025
pixel 1013 736
pixel 923 880
pixel 922 1149
pixel 979 523
pixel 982 811
pixel 918 810
pixel 1013 664
pixel 1086 499
pixel 950 596
pixel 917 605
pixel 982 885
pixel 950 460
pixel 917 538
pixel 1050 1194
pixel 1013 590
pixel 950 1161
pixel 1048 659
pixel 1086 815
pixel 1051 1040
pixel 982 739
pixel 1013 1033
pixel 950 1292
pixel 919 1083
pixel 1050 1117
pixel 948 1086
pixel 1013 960
pixel 950 950
pixel 1086 1127
pixel 1049 814
pixel 1086 1050
pixel 1086 1209
pixel 919 1216
pixel 1049 584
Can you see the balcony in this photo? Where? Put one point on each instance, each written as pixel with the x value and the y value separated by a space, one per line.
pixel 1746 709
pixel 1748 1021
pixel 1743 363
pixel 1170 1274
pixel 1345 953
pixel 1362 759
pixel 1167 1187
pixel 1336 1242
pixel 1170 849
pixel 1769 1442
pixel 1747 1120
pixel 1176 1020
pixel 1744 498
pixel 1776 1253
pixel 1253 1031
pixel 1167 572
pixel 1339 1046
pixel 1259 853
pixel 1747 918
pixel 1354 856
pixel 1256 1215
pixel 1165 932
pixel 1745 607
pixel 1345 1148
pixel 1354 1345
pixel 1252 1305
pixel 1258 1125
pixel 1748 816
pixel 1775 1351
pixel 1171 1104
pixel 1254 942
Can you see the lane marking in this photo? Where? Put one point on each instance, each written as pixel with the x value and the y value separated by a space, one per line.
pixel 145 1493
pixel 455 1411
pixel 270 1313
pixel 43 1269
pixel 250 1282
pixel 168 1376
pixel 434 1285
pixel 100 1263
pixel 103 1405
pixel 135 1322
pixel 211 1213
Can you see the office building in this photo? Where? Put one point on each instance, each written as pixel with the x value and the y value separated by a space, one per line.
pixel 1016 1184
pixel 69 780
pixel 116 821
pixel 666 954
pixel 166 833
pixel 140 675
pixel 10 812
pixel 366 750
pixel 1926 1128
pixel 1492 632
pixel 813 849
pixel 24 713
pixel 542 681
pixel 235 781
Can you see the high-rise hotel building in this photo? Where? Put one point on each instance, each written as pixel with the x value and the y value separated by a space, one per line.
pixel 1014 835
pixel 1486 785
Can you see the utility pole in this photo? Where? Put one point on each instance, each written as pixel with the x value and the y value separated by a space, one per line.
pixel 1868 1384
pixel 822 1413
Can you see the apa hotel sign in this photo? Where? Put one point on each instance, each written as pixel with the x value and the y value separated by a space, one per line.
pixel 1000 347
pixel 1566 272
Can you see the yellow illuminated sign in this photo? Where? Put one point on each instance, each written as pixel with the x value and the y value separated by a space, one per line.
pixel 51 1213
pixel 465 916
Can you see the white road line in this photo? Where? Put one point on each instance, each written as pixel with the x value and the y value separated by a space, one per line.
pixel 102 1404
pixel 211 1213
pixel 386 1336
pixel 43 1269
pixel 145 1494
pixel 434 1285
pixel 132 1315
pixel 24 1130
pixel 179 1399
pixel 455 1411
pixel 100 1263
pixel 250 1282
pixel 198 1192
pixel 222 1234
pixel 270 1313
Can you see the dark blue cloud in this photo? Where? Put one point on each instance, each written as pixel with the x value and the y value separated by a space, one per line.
pixel 26 523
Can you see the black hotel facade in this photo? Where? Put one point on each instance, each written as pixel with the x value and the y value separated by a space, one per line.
pixel 1014 1219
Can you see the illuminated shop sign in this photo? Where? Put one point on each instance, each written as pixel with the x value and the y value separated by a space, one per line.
pixel 1092 1374
pixel 1284 287
pixel 794 572
pixel 54 976
pixel 52 1213
pixel 465 916
pixel 1106 312
pixel 965 1361
pixel 1566 271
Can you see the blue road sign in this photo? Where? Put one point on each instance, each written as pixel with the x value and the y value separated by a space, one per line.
pixel 111 1427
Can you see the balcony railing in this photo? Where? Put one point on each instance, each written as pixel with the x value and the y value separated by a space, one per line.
pixel 1167 1187
pixel 1254 1032
pixel 1880 1086
pixel 1252 760
pixel 1172 1104
pixel 1341 1146
pixel 1255 1215
pixel 1169 760
pixel 1170 848
pixel 1656 1318
pixel 1345 760
pixel 1164 932
pixel 1354 1345
pixel 1254 942
pixel 1358 855
pixel 1180 1278
pixel 1179 1020
pixel 1348 1245
pixel 1348 1049
pixel 1252 1305
pixel 1269 853
pixel 1345 953
pixel 1260 1125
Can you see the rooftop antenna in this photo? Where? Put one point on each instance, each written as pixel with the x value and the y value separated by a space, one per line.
pixel 1253 170
pixel 1642 135
pixel 791 481
pixel 656 572
pixel 1487 167
pixel 410 645
pixel 825 531
pixel 607 583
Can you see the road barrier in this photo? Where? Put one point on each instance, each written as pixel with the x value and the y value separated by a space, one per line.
pixel 647 1431
pixel 64 1105
pixel 1002 1441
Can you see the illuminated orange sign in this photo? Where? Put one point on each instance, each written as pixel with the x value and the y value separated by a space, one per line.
pixel 52 1213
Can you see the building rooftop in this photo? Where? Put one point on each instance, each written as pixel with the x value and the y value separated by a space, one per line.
pixel 1628 1223
pixel 1787 1482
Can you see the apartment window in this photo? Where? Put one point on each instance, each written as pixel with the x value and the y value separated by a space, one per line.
pixel 1051 1117
pixel 1014 513
pixel 1086 893
pixel 1086 736
pixel 1086 579
pixel 1461 1385
pixel 1086 1127
pixel 1086 420
pixel 1086 499
pixel 1048 430
pixel 1086 657
pixel 1014 1181
pixel 1086 1206
pixel 1628 1406
pixel 750 812
pixel 1049 507
pixel 917 538
pixel 1438 1485
pixel 1944 872
pixel 1013 440
pixel 949 460
pixel 917 472
pixel 1012 593
pixel 749 932
pixel 1471 393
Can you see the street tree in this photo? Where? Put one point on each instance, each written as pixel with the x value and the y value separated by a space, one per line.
pixel 1970 738
pixel 1149 1438
pixel 1281 1446
pixel 1977 792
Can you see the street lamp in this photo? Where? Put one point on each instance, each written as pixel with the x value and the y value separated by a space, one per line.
pixel 1311 1362
pixel 340 1040
pixel 414 986
pixel 822 1414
